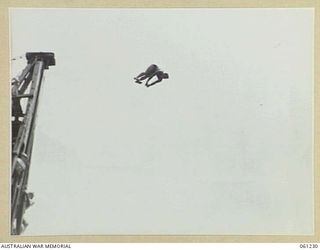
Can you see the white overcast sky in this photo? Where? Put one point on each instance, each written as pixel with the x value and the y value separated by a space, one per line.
pixel 222 147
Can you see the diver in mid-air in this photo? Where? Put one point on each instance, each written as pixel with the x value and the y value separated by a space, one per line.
pixel 151 71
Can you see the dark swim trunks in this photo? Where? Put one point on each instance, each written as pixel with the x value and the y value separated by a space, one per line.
pixel 151 70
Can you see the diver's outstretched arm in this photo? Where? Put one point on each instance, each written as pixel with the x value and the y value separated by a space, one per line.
pixel 153 83
pixel 150 78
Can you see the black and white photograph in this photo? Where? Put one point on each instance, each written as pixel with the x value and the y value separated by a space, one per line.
pixel 162 121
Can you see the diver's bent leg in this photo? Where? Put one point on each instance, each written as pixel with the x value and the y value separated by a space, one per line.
pixel 153 83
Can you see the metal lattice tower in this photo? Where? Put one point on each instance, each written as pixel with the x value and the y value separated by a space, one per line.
pixel 26 87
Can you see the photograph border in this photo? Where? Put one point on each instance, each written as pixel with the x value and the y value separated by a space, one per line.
pixel 5 117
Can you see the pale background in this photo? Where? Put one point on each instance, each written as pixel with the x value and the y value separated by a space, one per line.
pixel 222 147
